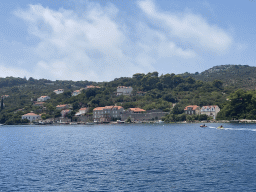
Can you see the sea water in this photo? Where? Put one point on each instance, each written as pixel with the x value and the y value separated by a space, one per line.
pixel 129 157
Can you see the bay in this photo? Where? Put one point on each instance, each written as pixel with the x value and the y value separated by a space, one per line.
pixel 130 157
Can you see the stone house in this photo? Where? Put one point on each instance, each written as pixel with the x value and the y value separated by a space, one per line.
pixel 211 110
pixel 63 106
pixel 137 114
pixel 192 110
pixel 106 113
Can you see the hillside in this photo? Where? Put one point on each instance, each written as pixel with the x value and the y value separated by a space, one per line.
pixel 237 76
pixel 150 91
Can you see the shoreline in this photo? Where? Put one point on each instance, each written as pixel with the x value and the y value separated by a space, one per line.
pixel 243 121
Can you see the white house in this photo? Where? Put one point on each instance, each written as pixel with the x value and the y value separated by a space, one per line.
pixel 31 116
pixel 82 111
pixel 211 110
pixel 43 98
pixel 58 91
pixel 76 92
pixel 122 90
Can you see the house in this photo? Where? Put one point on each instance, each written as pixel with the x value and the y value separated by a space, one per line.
pixel 92 87
pixel 136 110
pixel 82 111
pixel 39 104
pixel 65 112
pixel 76 92
pixel 63 106
pixel 58 91
pixel 107 113
pixel 122 90
pixel 140 93
pixel 43 98
pixel 211 110
pixel 192 110
pixel 31 116
pixel 139 115
pixel 5 96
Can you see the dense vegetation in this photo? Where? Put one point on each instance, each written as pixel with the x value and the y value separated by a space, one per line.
pixel 240 105
pixel 236 76
pixel 150 91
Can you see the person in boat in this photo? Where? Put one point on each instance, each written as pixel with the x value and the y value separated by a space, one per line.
pixel 221 126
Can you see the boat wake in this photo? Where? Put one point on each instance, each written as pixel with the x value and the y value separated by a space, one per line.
pixel 234 129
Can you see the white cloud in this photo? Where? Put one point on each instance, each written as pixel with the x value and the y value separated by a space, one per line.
pixel 12 71
pixel 99 45
pixel 189 27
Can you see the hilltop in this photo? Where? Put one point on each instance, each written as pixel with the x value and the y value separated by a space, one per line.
pixel 237 76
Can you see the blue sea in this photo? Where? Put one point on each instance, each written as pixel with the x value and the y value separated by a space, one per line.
pixel 129 157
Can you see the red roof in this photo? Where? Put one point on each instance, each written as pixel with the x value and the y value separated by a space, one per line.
pixel 194 107
pixel 64 105
pixel 137 109
pixel 83 109
pixel 98 109
pixel 30 114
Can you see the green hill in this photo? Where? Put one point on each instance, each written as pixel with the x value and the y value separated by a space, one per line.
pixel 237 76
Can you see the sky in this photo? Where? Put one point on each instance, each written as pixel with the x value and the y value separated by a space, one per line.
pixel 100 40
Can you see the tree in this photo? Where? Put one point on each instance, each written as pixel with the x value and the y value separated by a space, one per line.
pixel 2 103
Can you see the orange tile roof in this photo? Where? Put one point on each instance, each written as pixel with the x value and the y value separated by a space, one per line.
pixel 64 105
pixel 30 114
pixel 137 109
pixel 108 107
pixel 65 110
pixel 194 107
pixel 92 86
pixel 98 109
pixel 83 108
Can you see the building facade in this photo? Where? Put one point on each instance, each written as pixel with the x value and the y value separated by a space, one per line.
pixel 58 91
pixel 104 114
pixel 63 106
pixel 43 98
pixel 76 92
pixel 31 117
pixel 192 110
pixel 211 110
pixel 122 90
pixel 82 111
